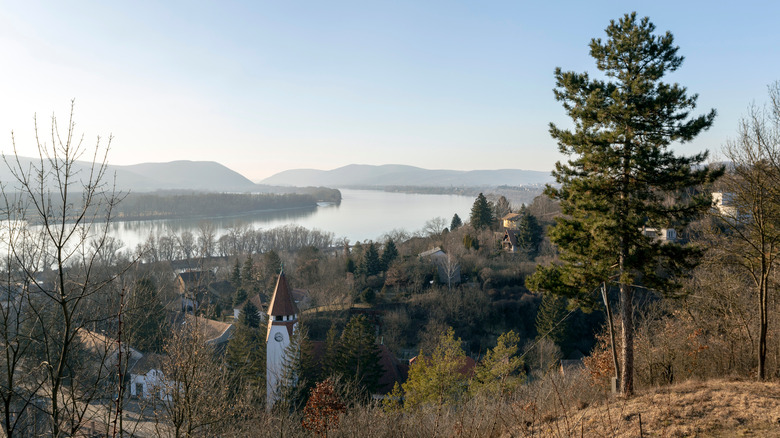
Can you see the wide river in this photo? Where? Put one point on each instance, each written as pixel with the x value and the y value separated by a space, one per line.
pixel 362 215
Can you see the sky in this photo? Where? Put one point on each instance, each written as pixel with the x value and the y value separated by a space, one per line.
pixel 265 86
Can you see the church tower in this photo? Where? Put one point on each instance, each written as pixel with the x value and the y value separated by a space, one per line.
pixel 282 323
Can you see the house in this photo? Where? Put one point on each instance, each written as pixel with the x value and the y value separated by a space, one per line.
pixel 511 221
pixel 447 267
pixel 147 379
pixel 104 350
pixel 192 286
pixel 661 234
pixel 724 203
pixel 509 241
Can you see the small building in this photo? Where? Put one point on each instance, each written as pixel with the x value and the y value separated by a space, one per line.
pixel 447 267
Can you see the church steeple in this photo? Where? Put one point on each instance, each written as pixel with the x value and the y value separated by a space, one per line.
pixel 282 322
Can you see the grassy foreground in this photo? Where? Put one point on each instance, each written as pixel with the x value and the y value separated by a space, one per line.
pixel 713 408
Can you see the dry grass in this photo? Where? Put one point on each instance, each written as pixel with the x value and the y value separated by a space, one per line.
pixel 714 408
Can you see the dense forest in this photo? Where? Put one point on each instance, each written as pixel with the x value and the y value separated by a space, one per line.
pixel 170 205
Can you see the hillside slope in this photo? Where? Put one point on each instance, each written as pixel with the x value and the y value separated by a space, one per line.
pixel 713 408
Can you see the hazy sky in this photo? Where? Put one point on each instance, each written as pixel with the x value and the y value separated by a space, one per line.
pixel 266 86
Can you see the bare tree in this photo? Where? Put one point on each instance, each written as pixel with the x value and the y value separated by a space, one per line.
pixel 434 227
pixel 753 220
pixel 59 210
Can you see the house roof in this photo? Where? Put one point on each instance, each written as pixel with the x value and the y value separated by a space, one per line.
pixel 511 216
pixel 282 302
pixel 431 252
pixel 511 235
pixel 148 362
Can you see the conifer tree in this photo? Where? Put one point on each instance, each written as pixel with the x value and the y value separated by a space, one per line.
pixel 436 378
pixel 146 321
pixel 248 274
pixel 481 213
pixel 529 232
pixel 389 254
pixel 620 172
pixel 249 316
pixel 501 371
pixel 549 318
pixel 235 275
pixel 358 354
pixel 245 352
pixel 456 222
pixel 371 263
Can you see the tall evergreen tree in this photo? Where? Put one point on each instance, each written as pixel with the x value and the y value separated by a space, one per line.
pixel 235 275
pixel 146 320
pixel 529 232
pixel 248 274
pixel 620 172
pixel 481 213
pixel 245 353
pixel 456 222
pixel 358 354
pixel 549 318
pixel 389 254
pixel 249 316
pixel 371 263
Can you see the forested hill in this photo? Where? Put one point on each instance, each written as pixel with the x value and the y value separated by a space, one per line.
pixel 398 175
pixel 182 175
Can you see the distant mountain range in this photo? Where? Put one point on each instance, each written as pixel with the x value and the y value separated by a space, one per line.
pixel 362 175
pixel 210 176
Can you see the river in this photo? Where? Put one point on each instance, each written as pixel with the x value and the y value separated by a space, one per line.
pixel 362 215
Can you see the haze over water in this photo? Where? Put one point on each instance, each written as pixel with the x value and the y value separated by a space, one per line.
pixel 362 215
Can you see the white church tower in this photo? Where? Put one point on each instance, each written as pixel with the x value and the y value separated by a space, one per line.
pixel 282 322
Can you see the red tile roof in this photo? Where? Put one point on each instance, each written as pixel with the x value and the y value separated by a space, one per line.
pixel 282 302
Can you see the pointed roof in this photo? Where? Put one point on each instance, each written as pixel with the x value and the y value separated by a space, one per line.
pixel 282 302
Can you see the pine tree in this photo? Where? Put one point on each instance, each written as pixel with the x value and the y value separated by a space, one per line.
pixel 437 379
pixel 245 353
pixel 456 222
pixel 389 254
pixel 481 213
pixel 371 263
pixel 501 371
pixel 331 350
pixel 248 274
pixel 549 318
pixel 358 354
pixel 529 233
pixel 620 172
pixel 239 296
pixel 235 276
pixel 146 319
pixel 249 316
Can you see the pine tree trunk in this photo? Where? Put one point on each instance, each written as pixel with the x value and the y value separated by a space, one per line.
pixel 627 332
pixel 762 332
